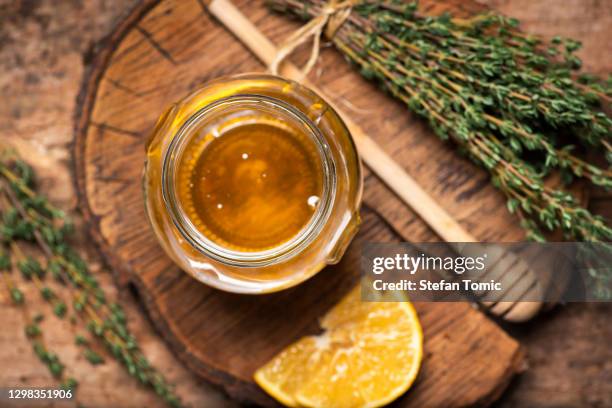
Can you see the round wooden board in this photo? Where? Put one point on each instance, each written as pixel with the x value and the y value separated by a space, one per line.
pixel 163 50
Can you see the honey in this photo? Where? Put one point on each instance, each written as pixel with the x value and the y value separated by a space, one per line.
pixel 252 184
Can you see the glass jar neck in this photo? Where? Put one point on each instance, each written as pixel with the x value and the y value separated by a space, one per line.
pixel 251 104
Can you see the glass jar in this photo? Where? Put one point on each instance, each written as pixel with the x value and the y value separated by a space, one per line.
pixel 252 184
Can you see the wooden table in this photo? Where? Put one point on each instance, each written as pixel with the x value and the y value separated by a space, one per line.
pixel 43 46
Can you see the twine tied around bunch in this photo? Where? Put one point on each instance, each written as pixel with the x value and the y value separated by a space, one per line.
pixel 332 16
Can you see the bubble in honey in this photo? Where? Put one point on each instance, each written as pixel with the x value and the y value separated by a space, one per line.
pixel 313 201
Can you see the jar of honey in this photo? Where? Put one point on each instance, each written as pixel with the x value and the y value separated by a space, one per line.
pixel 252 184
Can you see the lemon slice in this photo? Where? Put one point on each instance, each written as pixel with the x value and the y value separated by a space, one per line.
pixel 368 355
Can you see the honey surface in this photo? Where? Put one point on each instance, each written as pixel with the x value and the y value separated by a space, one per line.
pixel 253 186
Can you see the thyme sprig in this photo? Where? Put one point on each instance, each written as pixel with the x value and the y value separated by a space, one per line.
pixel 512 102
pixel 29 219
pixel 32 329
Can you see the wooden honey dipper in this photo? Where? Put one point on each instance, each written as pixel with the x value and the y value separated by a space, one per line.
pixel 507 266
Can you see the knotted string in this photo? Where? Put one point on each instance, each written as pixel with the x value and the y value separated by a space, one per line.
pixel 332 16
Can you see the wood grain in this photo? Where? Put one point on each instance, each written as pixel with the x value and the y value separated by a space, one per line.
pixel 160 52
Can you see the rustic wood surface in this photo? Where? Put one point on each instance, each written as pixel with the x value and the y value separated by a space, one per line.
pixel 42 45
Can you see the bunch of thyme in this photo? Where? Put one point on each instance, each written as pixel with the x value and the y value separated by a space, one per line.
pixel 510 101
pixel 34 241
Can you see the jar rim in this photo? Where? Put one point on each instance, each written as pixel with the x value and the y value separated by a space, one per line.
pixel 206 246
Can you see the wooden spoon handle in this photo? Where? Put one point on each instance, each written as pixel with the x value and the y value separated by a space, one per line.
pixel 392 174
